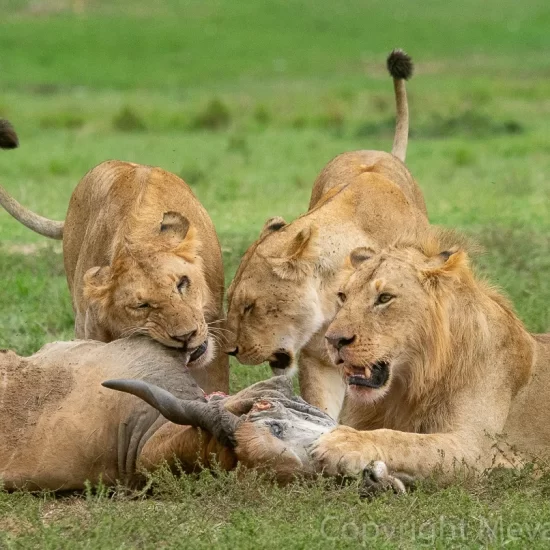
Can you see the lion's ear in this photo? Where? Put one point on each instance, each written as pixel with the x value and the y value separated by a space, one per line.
pixel 444 265
pixel 360 255
pixel 272 225
pixel 97 284
pixel 180 235
pixel 304 245
pixel 300 256
pixel 190 246
pixel 174 226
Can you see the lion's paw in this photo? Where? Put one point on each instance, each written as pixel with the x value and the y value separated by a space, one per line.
pixel 339 452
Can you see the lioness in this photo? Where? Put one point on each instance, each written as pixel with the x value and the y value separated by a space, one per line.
pixel 437 366
pixel 281 299
pixel 141 256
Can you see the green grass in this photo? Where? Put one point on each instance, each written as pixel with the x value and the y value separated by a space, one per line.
pixel 247 101
pixel 248 512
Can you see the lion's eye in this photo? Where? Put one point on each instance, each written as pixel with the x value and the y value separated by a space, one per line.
pixel 183 284
pixel 248 307
pixel 144 305
pixel 341 297
pixel 384 298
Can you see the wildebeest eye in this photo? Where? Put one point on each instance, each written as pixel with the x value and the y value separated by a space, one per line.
pixel 183 283
pixel 276 429
pixel 341 298
pixel 143 305
pixel 384 298
pixel 248 307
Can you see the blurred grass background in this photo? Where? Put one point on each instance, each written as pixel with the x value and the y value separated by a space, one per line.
pixel 247 101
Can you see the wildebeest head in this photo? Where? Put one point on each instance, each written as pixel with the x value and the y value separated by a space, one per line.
pixel 268 426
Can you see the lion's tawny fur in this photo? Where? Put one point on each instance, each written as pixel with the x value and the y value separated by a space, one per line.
pixel 131 234
pixel 467 382
pixel 282 296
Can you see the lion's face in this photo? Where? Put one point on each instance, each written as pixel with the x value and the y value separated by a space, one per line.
pixel 386 311
pixel 161 293
pixel 273 303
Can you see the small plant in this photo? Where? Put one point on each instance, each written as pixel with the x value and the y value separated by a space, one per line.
pixel 215 116
pixel 464 157
pixel 262 115
pixel 299 122
pixel 332 119
pixel 128 121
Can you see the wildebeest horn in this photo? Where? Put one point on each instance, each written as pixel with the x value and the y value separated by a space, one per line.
pixel 208 415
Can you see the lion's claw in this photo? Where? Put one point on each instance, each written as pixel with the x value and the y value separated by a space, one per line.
pixel 377 479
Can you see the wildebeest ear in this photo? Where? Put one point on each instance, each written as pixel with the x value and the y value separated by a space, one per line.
pixel 271 225
pixel 174 225
pixel 97 283
pixel 360 255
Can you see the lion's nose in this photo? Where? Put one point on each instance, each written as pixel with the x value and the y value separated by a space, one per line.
pixel 232 351
pixel 185 337
pixel 338 341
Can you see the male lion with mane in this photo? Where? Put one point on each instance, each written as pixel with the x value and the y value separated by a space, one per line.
pixel 281 299
pixel 439 369
pixel 141 257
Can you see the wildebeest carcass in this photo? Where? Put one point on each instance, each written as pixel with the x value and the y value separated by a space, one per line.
pixel 61 428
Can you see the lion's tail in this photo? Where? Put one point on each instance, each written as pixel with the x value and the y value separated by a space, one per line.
pixel 400 66
pixel 44 226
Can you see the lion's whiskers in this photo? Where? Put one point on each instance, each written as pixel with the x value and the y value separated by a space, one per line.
pixel 220 329
pixel 216 321
pixel 220 337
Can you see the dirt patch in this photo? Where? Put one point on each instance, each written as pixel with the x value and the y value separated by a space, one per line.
pixel 57 510
pixel 25 391
pixel 15 526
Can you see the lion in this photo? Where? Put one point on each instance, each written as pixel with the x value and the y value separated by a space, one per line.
pixel 440 372
pixel 281 299
pixel 141 255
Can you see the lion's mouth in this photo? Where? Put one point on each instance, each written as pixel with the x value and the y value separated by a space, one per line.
pixel 281 360
pixel 378 375
pixel 199 352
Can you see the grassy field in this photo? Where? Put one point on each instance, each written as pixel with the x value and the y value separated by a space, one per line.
pixel 247 101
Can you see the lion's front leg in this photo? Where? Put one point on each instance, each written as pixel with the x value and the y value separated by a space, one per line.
pixel 345 451
pixel 321 383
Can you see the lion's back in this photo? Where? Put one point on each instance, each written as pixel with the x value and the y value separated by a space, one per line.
pixel 346 168
pixel 86 219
